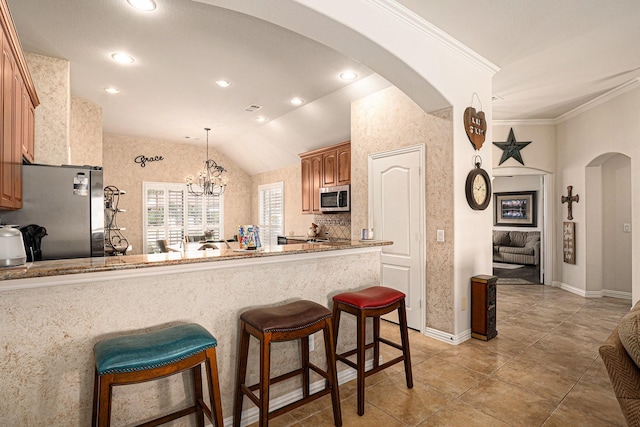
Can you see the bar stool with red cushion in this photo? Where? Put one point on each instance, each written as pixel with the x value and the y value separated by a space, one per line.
pixel 292 321
pixel 372 302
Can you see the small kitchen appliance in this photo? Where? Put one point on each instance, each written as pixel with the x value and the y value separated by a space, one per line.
pixel 11 247
pixel 335 199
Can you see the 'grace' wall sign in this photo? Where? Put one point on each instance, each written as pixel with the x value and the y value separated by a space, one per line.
pixel 142 160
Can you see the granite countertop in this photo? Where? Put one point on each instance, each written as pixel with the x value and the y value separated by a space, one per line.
pixel 113 263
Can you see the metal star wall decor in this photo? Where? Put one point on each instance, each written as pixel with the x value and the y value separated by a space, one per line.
pixel 511 148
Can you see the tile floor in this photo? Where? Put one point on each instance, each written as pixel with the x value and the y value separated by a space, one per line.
pixel 542 369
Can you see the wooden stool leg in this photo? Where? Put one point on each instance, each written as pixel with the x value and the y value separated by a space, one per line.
pixel 361 334
pixel 304 358
pixel 196 377
pixel 376 341
pixel 336 323
pixel 215 399
pixel 332 375
pixel 241 374
pixel 265 366
pixel 94 411
pixel 404 335
pixel 104 405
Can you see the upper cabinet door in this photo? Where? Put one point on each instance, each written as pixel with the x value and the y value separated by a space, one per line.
pixel 28 124
pixel 6 133
pixel 329 169
pixel 343 161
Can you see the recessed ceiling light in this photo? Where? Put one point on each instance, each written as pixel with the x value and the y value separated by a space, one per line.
pixel 147 5
pixel 261 119
pixel 122 58
pixel 223 83
pixel 296 101
pixel 111 90
pixel 348 75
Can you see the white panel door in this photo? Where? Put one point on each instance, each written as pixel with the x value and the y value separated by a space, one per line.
pixel 396 213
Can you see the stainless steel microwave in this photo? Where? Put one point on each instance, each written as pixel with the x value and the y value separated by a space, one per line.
pixel 335 199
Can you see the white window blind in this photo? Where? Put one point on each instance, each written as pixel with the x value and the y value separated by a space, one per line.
pixel 171 213
pixel 271 212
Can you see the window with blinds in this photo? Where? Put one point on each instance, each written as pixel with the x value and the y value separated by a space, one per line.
pixel 271 212
pixel 171 213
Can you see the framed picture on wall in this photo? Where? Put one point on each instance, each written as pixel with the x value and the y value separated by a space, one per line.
pixel 515 209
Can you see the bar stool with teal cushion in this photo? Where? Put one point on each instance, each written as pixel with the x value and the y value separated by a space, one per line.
pixel 148 356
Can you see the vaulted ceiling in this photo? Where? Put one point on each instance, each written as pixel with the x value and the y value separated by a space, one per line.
pixel 553 56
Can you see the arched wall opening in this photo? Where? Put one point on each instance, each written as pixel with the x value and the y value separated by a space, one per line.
pixel 437 73
pixel 608 226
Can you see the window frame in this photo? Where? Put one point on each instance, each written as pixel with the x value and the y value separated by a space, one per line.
pixel 185 228
pixel 268 236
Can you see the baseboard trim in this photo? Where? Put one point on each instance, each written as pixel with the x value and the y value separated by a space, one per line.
pixel 569 288
pixel 250 416
pixel 616 294
pixel 446 337
pixel 593 294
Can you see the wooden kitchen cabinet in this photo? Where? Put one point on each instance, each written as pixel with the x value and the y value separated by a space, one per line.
pixel 343 162
pixel 18 100
pixel 325 167
pixel 311 177
pixel 483 307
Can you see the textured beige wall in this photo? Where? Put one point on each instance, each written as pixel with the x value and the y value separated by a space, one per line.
pixel 180 161
pixel 388 120
pixel 48 334
pixel 85 133
pixel 51 79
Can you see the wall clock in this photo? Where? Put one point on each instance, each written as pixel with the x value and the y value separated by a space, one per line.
pixel 478 188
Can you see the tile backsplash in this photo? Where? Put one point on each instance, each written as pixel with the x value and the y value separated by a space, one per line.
pixel 338 225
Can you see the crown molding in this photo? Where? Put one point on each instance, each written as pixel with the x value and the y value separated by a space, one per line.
pixel 524 122
pixel 417 22
pixel 613 93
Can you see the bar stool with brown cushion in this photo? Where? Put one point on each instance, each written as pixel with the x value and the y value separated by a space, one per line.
pixel 372 302
pixel 293 321
pixel 152 355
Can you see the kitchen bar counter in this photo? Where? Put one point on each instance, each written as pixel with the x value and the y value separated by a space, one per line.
pixel 53 312
pixel 132 262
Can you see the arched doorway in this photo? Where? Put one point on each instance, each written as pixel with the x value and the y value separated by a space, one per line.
pixel 608 226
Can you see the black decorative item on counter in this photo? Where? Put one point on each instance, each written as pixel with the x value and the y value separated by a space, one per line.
pixel 114 241
pixel 32 235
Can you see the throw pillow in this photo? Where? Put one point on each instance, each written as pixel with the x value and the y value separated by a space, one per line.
pixel 501 238
pixel 532 239
pixel 518 238
pixel 629 332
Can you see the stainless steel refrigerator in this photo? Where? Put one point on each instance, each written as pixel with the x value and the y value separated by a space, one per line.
pixel 69 202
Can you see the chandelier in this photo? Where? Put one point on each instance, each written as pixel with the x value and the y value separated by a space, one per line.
pixel 210 180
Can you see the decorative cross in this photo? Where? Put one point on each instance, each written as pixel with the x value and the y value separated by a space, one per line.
pixel 569 199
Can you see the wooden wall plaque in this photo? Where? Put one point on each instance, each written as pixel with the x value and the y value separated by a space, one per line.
pixel 569 242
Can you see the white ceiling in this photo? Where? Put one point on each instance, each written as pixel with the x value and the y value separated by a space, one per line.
pixel 554 56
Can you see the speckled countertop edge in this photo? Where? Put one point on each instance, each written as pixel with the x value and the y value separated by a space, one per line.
pixel 114 263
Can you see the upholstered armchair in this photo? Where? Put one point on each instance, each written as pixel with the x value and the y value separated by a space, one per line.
pixel 623 371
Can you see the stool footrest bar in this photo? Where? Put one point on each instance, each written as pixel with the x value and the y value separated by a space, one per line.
pixel 298 403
